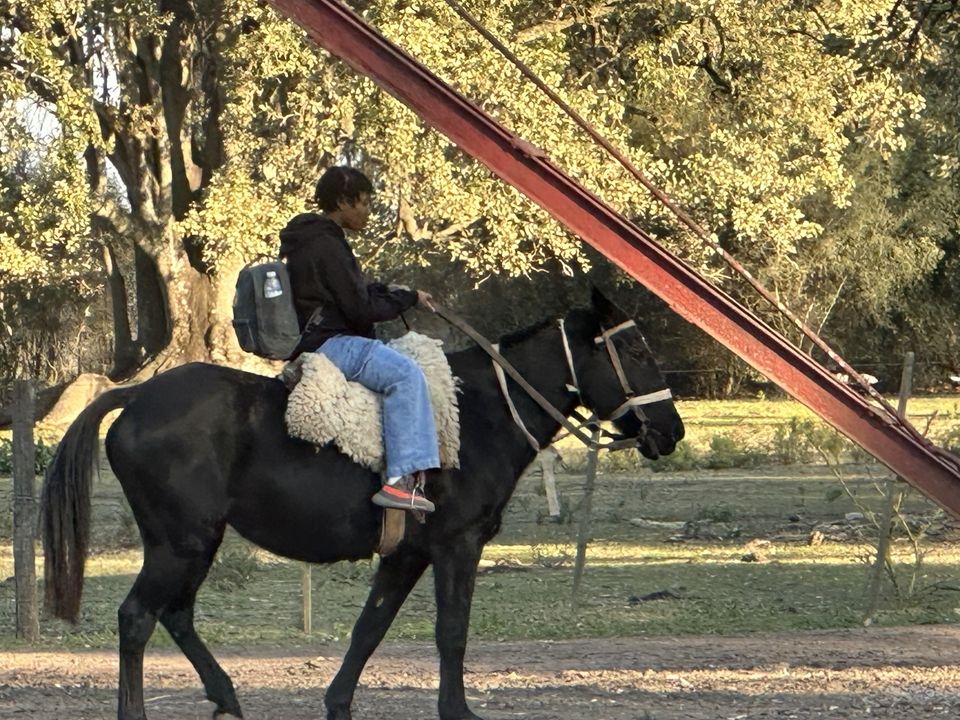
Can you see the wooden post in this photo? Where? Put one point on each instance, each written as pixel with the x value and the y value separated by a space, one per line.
pixel 548 461
pixel 24 512
pixel 586 508
pixel 306 583
pixel 885 528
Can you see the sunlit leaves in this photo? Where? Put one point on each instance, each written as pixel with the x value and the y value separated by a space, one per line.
pixel 756 116
pixel 744 113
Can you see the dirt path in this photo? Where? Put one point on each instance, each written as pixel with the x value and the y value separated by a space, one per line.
pixel 899 673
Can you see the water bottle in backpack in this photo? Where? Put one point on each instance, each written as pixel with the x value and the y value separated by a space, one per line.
pixel 271 285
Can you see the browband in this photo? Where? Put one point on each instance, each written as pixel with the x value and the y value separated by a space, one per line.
pixel 613 331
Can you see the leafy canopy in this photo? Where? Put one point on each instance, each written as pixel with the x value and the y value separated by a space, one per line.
pixel 763 118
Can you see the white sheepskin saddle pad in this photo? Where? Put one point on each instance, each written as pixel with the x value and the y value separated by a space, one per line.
pixel 325 407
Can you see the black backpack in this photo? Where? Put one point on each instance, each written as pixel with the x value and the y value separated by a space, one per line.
pixel 264 316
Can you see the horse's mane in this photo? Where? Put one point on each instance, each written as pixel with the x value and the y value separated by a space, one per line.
pixel 518 336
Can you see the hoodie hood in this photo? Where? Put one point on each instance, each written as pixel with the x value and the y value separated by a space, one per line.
pixel 307 228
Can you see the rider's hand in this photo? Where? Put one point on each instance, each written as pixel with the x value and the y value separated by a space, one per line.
pixel 426 300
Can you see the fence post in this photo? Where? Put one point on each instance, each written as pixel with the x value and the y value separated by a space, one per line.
pixel 24 512
pixel 548 462
pixel 586 509
pixel 306 586
pixel 882 560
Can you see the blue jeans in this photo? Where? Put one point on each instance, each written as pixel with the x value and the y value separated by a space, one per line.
pixel 409 432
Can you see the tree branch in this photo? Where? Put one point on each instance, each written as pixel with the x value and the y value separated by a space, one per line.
pixel 706 64
pixel 175 163
pixel 915 33
pixel 407 220
pixel 111 218
pixel 44 88
pixel 550 27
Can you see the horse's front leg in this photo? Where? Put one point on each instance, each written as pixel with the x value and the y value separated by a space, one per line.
pixel 455 571
pixel 393 581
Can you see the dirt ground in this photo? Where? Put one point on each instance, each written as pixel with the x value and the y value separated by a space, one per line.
pixel 901 673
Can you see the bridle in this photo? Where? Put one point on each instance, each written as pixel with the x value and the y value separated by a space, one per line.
pixel 502 367
pixel 633 402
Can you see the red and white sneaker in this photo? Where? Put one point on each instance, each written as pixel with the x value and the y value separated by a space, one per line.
pixel 405 494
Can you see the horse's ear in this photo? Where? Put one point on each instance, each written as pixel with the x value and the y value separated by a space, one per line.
pixel 600 303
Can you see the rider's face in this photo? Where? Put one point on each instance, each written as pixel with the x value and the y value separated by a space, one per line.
pixel 354 216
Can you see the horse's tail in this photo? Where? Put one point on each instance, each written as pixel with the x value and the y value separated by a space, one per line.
pixel 65 505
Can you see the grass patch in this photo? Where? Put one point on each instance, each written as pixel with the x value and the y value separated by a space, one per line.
pixel 740 465
pixel 755 432
pixel 796 588
pixel 254 597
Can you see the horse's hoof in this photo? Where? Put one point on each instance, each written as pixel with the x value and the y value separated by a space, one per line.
pixel 221 712
pixel 339 713
pixel 217 714
pixel 466 714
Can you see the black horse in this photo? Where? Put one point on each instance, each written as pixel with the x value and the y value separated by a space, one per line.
pixel 200 447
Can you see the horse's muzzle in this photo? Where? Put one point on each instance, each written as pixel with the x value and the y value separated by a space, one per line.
pixel 647 445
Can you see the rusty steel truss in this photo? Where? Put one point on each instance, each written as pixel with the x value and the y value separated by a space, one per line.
pixel 888 437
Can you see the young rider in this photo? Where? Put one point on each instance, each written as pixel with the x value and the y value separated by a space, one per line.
pixel 338 308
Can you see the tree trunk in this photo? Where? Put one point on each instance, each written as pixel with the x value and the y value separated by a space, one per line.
pixel 198 311
pixel 153 326
pixel 126 352
pixel 174 303
pixel 222 340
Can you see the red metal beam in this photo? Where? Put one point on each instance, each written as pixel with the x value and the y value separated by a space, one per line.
pixel 335 28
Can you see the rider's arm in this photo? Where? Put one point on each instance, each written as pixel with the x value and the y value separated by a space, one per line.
pixel 362 303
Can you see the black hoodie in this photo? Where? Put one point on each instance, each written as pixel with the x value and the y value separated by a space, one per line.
pixel 330 293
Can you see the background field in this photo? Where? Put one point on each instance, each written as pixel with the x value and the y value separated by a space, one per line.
pixel 722 547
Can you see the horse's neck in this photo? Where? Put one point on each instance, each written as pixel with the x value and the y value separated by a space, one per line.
pixel 541 361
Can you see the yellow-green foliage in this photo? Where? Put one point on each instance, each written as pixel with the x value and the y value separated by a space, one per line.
pixel 746 147
pixel 743 112
pixel 283 117
pixel 197 133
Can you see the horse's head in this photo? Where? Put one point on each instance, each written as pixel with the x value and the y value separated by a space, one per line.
pixel 619 379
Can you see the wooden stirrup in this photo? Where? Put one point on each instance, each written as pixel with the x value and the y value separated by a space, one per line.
pixel 393 527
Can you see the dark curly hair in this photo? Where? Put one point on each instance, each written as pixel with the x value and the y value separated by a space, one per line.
pixel 340 182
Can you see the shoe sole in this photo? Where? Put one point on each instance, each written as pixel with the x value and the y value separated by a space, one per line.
pixel 418 504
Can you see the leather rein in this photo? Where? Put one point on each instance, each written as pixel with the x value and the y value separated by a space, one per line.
pixel 502 366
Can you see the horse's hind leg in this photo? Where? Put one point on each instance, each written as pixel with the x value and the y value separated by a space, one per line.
pixel 216 682
pixel 136 622
pixel 177 618
pixel 166 589
pixel 394 580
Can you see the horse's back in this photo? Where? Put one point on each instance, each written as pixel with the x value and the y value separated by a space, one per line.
pixel 208 442
pixel 201 392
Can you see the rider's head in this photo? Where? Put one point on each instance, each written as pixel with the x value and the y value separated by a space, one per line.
pixel 343 193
